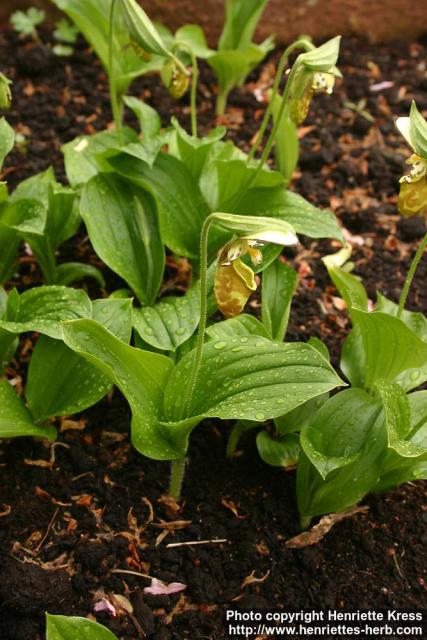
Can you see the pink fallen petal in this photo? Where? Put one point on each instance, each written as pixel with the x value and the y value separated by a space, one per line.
pixel 159 588
pixel 105 605
pixel 380 86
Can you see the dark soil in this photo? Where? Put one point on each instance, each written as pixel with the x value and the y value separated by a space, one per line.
pixel 67 528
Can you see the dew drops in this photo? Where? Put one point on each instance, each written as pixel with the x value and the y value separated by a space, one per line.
pixel 260 416
pixel 220 345
pixel 180 331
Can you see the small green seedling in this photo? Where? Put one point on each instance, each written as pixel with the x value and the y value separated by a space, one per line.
pixel 360 109
pixel 26 22
pixel 66 35
pixel 74 628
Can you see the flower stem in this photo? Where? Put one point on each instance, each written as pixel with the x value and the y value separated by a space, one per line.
pixel 115 107
pixel 177 477
pixel 410 276
pixel 298 44
pixel 203 313
pixel 194 82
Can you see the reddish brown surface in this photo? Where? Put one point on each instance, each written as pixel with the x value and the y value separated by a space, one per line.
pixel 377 19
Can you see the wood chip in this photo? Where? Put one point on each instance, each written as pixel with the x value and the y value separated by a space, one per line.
pixel 252 579
pixel 319 531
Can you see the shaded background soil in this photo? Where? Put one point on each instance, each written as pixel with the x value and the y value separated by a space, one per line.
pixel 66 528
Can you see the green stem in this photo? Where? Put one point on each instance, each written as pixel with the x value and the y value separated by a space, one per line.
pixel 194 82
pixel 115 107
pixel 305 521
pixel 221 102
pixel 177 477
pixel 233 440
pixel 410 276
pixel 203 312
pixel 298 44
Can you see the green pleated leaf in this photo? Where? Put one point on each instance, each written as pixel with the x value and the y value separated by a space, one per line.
pixel 140 375
pixel 142 30
pixel 181 208
pixel 15 419
pixel 398 468
pixel 294 209
pixel 391 351
pixel 283 452
pixel 193 37
pixel 69 272
pixel 414 320
pixel 7 140
pixel 341 453
pixel 249 378
pixel 24 216
pixel 349 287
pixel 241 19
pixel 72 628
pixel 84 156
pixel 279 282
pixel 169 323
pixel 122 226
pixel 43 309
pixel 242 325
pixel 60 382
pixel 193 152
pixel 397 419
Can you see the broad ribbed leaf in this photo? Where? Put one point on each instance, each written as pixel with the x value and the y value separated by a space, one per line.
pixel 242 325
pixel 391 351
pixel 15 419
pixel 249 378
pixel 193 37
pixel 396 468
pixel 140 375
pixel 397 419
pixel 279 282
pixel 72 628
pixel 61 382
pixel 181 208
pixel 122 226
pixel 170 322
pixel 414 320
pixel 69 272
pixel 43 309
pixel 342 451
pixel 241 19
pixel 27 217
pixel 278 452
pixel 7 140
pixel 84 156
pixel 294 209
pixel 349 287
pixel 193 152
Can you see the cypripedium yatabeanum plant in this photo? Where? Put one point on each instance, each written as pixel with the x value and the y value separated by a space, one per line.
pixel 314 71
pixel 413 186
pixel 5 92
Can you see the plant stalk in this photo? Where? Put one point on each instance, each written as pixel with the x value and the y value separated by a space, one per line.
pixel 298 44
pixel 203 312
pixel 193 101
pixel 115 106
pixel 410 276
pixel 177 477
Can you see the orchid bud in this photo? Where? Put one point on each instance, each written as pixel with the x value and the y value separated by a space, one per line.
pixel 142 54
pixel 142 30
pixel 412 198
pixel 174 78
pixel 5 92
